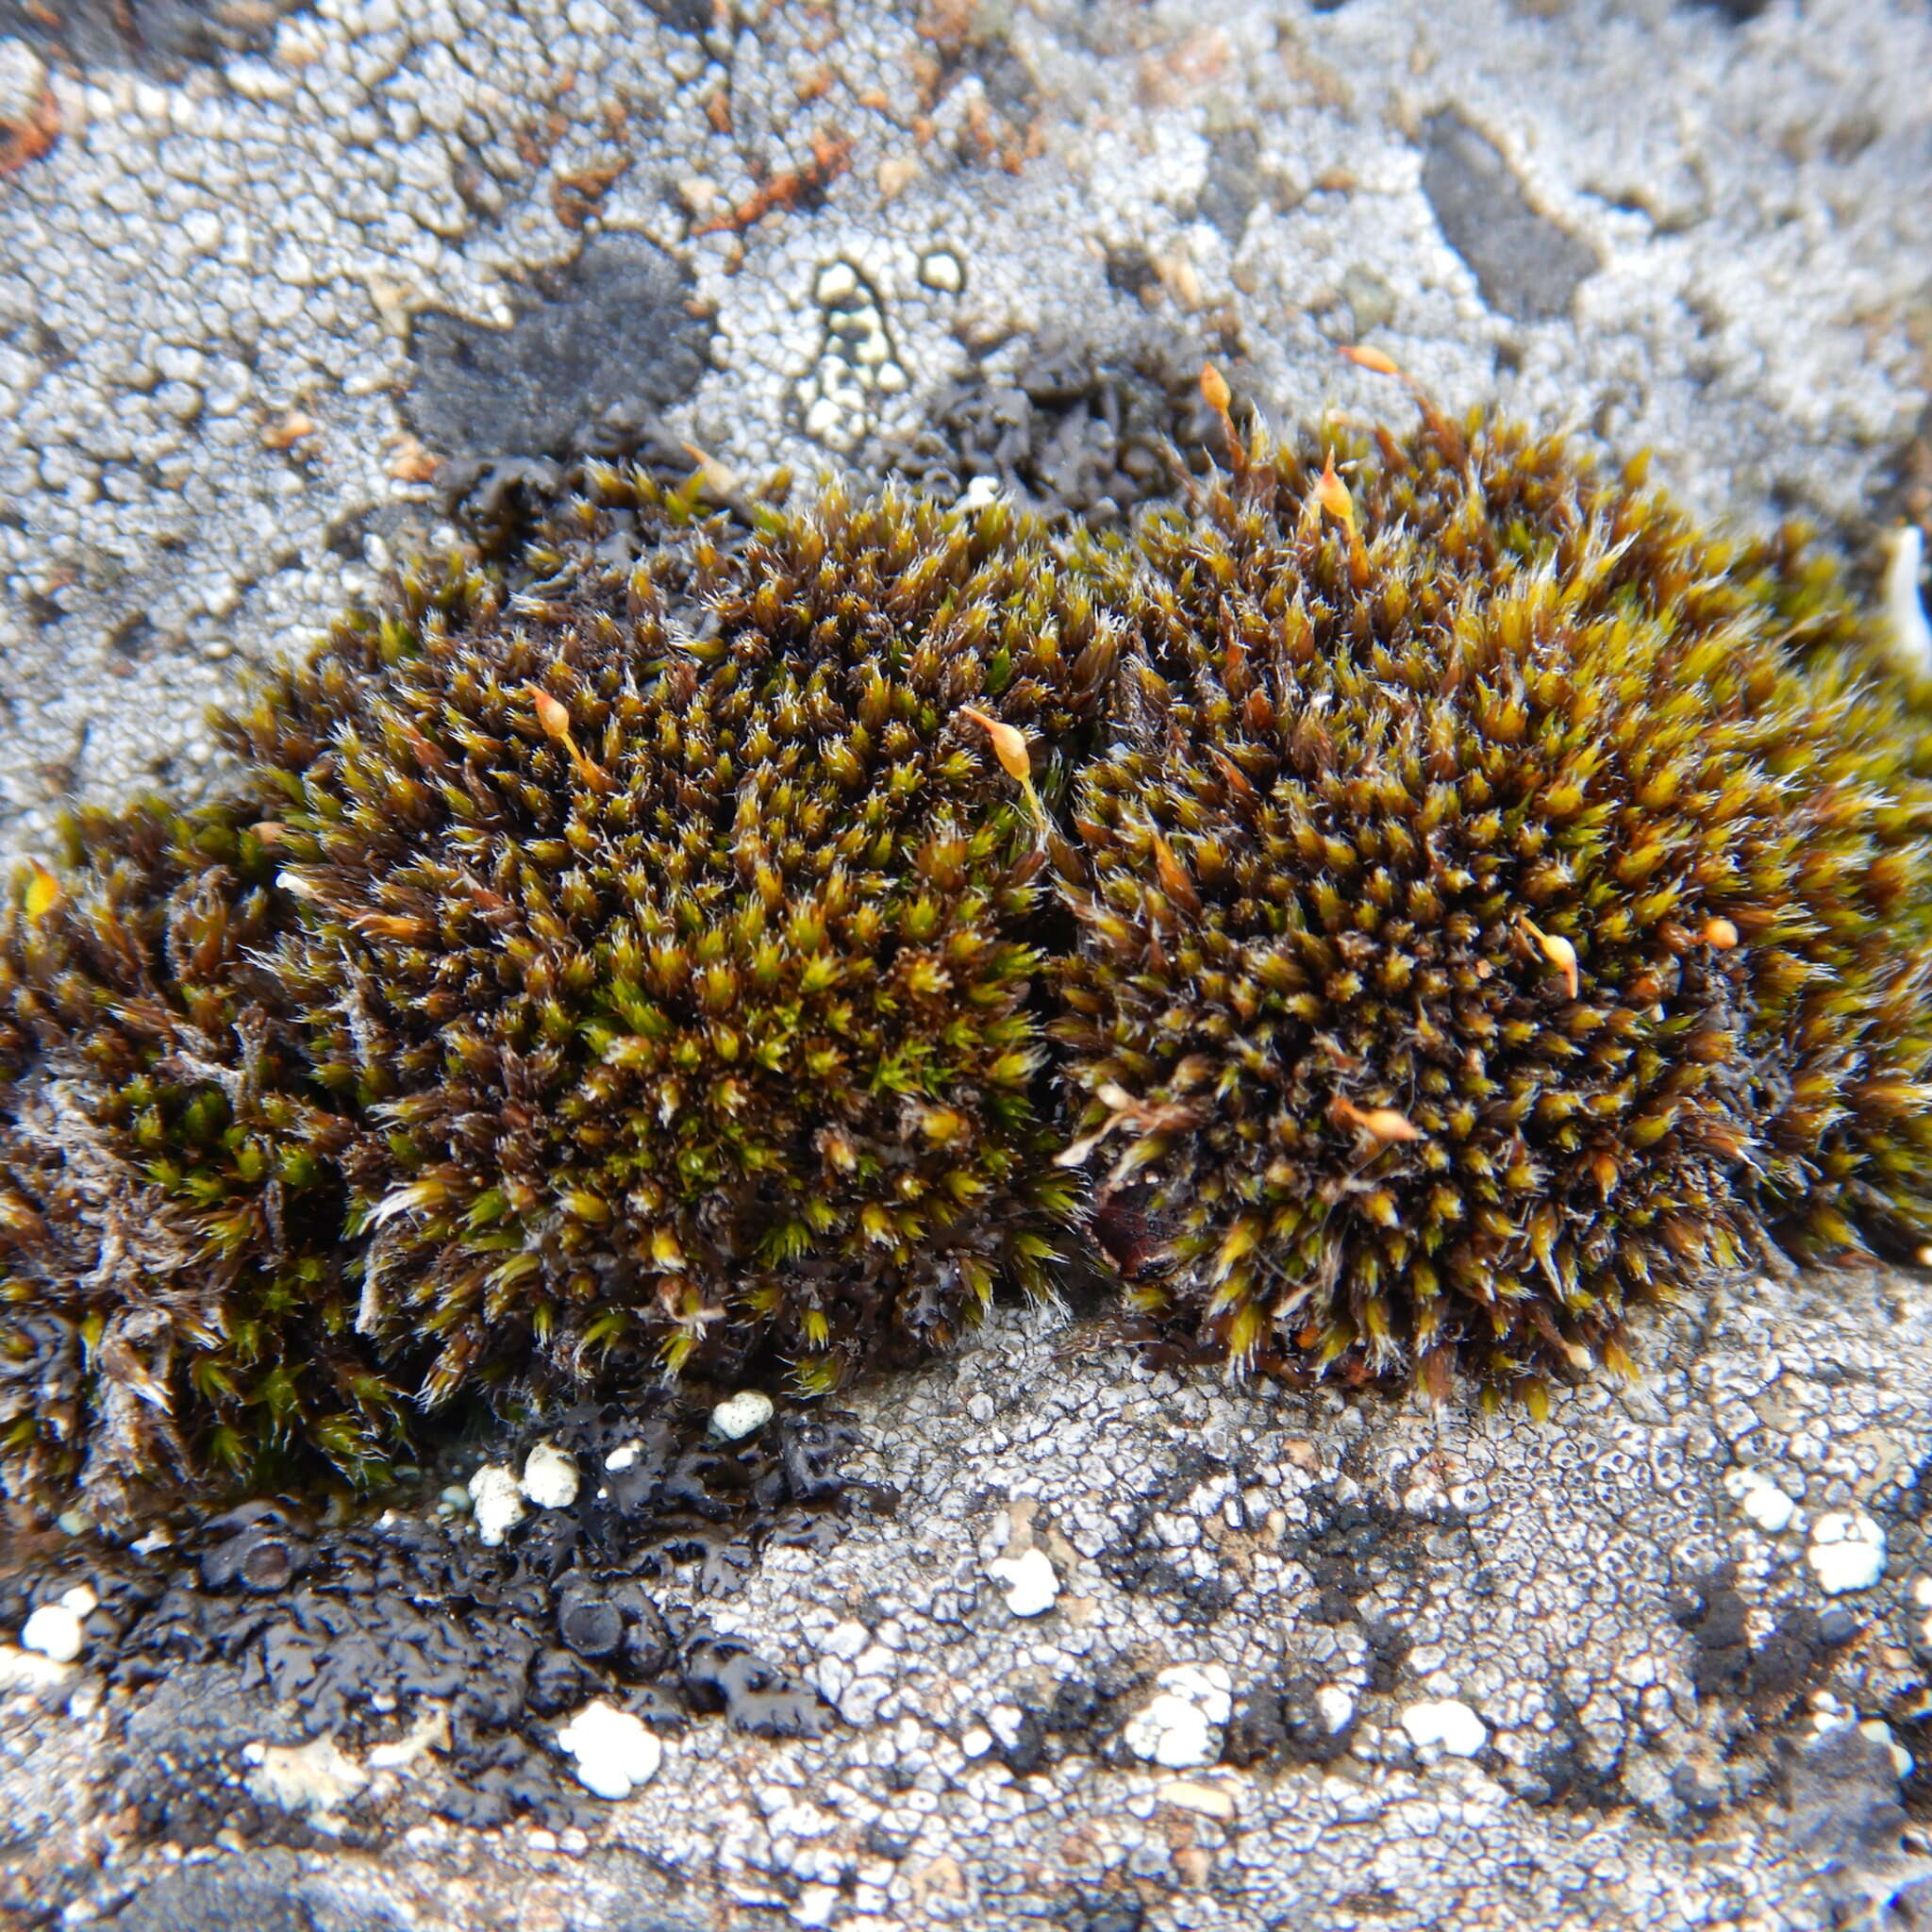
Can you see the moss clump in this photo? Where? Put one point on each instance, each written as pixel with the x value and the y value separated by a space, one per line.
pixel 171 1285
pixel 1456 900
pixel 633 966
pixel 1485 928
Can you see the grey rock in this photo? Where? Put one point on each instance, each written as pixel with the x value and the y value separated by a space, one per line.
pixel 1525 265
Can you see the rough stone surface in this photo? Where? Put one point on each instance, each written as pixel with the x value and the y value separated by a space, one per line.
pixel 1673 1707
pixel 276 263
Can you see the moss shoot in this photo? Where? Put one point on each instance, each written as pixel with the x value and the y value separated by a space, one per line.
pixel 1395 913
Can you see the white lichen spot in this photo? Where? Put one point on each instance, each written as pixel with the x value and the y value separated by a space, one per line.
pixel 614 1751
pixel 550 1476
pixel 1761 1499
pixel 1032 1585
pixel 837 282
pixel 54 1631
pixel 1846 1552
pixel 742 1415
pixel 1446 1723
pixel 1334 1706
pixel 940 269
pixel 496 1502
pixel 979 493
pixel 1177 1729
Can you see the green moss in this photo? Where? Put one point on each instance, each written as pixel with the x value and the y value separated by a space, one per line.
pixel 1485 927
pixel 1443 913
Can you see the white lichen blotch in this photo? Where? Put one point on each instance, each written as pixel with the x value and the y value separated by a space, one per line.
pixel 1846 1552
pixel 1029 1581
pixel 1445 1724
pixel 550 1476
pixel 497 1502
pixel 1760 1499
pixel 614 1753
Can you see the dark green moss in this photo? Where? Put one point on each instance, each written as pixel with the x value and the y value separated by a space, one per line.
pixel 1486 927
pixel 1445 903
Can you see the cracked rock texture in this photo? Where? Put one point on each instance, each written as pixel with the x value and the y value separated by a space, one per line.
pixel 1305 1662
pixel 1425 1670
pixel 260 266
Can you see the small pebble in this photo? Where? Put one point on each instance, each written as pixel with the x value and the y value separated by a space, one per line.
pixel 623 1456
pixel 1447 1723
pixel 1846 1552
pixel 1030 1581
pixel 614 1753
pixel 497 1500
pixel 550 1476
pixel 1210 1800
pixel 743 1415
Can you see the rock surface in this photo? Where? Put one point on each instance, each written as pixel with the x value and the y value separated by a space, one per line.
pixel 1639 1706
pixel 261 267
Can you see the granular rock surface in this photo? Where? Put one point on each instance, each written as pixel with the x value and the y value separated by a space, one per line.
pixel 1304 1661
pixel 265 268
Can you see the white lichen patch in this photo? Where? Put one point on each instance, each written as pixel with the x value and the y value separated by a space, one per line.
pixel 496 1502
pixel 1180 1728
pixel 550 1476
pixel 857 365
pixel 54 1630
pixel 1031 1584
pixel 1762 1501
pixel 613 1751
pixel 1846 1552
pixel 1445 1724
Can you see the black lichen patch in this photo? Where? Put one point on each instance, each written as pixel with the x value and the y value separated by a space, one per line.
pixel 361 1629
pixel 1773 1675
pixel 1282 1723
pixel 1079 1717
pixel 1187 1584
pixel 1072 435
pixel 611 331
pixel 1524 264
